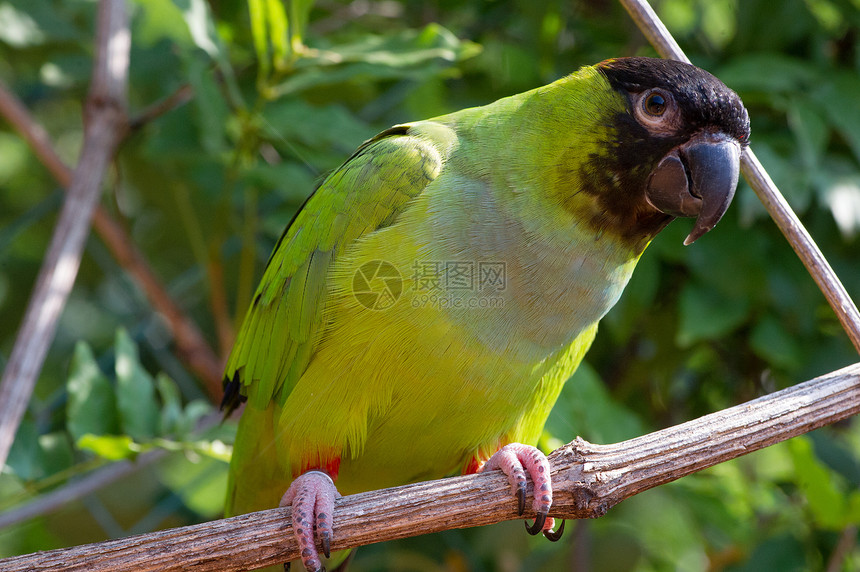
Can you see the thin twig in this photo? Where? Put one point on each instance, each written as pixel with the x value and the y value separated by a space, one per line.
pixel 105 114
pixel 192 348
pixel 176 99
pixel 587 481
pixel 97 479
pixel 780 211
pixel 847 541
pixel 89 484
pixel 34 134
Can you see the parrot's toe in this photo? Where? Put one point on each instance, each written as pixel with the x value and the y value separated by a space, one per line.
pixel 312 497
pixel 515 460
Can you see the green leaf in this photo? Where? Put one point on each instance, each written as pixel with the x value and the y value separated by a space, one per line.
pixel 135 392
pixel 790 177
pixel 276 17
pixel 853 512
pixel 201 482
pixel 811 132
pixel 257 14
pixel 586 409
pixel 638 297
pixel 198 17
pixel 23 458
pixel 192 413
pixel 784 553
pixel 216 449
pixel 824 499
pixel 718 21
pixel 408 54
pixel 706 314
pixel 91 406
pixel 768 72
pixel 55 452
pixel 775 345
pixel 838 96
pixel 201 25
pixel 37 22
pixel 161 19
pixel 171 405
pixel 299 12
pixel 325 127
pixel 110 447
pixel 211 113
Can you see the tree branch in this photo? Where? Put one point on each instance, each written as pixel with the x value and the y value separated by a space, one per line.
pixel 34 134
pixel 176 99
pixel 191 347
pixel 778 208
pixel 105 124
pixel 72 491
pixel 588 480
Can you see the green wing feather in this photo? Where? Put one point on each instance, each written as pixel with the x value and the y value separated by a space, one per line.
pixel 368 192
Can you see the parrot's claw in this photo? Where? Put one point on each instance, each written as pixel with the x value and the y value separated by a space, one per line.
pixel 521 498
pixel 537 526
pixel 554 535
pixel 325 541
pixel 312 497
pixel 515 460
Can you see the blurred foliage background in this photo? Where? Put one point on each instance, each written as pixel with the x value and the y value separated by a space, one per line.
pixel 282 93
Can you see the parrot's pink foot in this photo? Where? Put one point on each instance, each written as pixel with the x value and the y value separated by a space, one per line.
pixel 312 497
pixel 515 460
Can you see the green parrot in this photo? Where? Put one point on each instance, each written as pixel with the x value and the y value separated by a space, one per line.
pixel 422 311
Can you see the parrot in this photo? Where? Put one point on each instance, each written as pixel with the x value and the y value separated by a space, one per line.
pixel 423 309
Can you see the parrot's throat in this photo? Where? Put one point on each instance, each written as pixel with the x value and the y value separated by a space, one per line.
pixel 614 180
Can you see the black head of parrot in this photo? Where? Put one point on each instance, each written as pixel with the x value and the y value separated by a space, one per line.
pixel 676 149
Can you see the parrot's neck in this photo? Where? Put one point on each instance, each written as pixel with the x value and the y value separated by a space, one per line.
pixel 564 167
pixel 520 206
pixel 554 279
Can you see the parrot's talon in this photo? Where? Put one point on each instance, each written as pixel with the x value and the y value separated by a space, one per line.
pixel 312 496
pixel 325 541
pixel 521 500
pixel 537 526
pixel 554 535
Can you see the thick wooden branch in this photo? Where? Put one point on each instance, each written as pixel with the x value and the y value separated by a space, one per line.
pixel 105 124
pixel 780 211
pixel 588 479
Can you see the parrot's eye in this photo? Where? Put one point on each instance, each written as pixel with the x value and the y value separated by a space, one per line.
pixel 655 104
pixel 656 110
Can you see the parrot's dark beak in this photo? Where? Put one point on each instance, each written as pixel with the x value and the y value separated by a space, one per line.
pixel 697 179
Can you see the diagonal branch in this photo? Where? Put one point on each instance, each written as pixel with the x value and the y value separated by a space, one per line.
pixel 105 124
pixel 34 134
pixel 72 491
pixel 780 211
pixel 587 479
pixel 191 347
